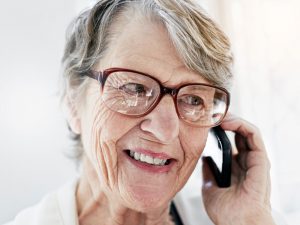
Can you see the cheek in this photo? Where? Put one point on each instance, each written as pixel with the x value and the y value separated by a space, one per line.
pixel 193 142
pixel 102 129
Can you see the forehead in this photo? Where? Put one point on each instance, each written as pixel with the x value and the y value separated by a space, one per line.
pixel 145 46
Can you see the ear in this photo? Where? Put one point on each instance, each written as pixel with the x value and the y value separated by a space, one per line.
pixel 72 114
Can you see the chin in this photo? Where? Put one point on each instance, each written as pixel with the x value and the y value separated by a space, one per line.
pixel 147 187
pixel 144 200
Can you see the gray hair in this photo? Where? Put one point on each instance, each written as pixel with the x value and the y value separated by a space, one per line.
pixel 200 43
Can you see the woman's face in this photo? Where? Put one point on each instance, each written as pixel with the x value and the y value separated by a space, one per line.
pixel 108 137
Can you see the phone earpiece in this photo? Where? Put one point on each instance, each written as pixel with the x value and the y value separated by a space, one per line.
pixel 223 177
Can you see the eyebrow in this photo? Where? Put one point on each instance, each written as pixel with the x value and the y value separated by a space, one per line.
pixel 140 64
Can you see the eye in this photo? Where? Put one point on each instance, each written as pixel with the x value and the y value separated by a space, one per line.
pixel 134 89
pixel 192 100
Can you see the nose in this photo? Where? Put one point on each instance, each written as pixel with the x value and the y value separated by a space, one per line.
pixel 162 122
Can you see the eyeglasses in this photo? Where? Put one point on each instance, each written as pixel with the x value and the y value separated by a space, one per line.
pixel 136 94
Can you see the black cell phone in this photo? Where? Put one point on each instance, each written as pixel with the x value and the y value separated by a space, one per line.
pixel 220 165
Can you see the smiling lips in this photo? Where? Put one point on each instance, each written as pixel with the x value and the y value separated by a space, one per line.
pixel 147 158
pixel 152 162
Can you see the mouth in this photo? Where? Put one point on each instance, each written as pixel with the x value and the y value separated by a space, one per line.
pixel 147 158
pixel 152 162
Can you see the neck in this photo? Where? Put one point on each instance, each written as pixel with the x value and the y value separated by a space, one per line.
pixel 94 204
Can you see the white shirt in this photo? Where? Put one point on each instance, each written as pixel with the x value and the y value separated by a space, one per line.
pixel 59 208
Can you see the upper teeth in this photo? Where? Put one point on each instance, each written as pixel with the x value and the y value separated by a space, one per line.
pixel 147 159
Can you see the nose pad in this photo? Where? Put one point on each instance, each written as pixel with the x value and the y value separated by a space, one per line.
pixel 163 121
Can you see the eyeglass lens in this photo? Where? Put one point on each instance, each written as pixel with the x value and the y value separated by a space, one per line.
pixel 135 94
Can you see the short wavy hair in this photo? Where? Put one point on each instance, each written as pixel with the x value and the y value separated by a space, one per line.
pixel 201 44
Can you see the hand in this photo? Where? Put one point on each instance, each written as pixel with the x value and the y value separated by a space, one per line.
pixel 247 200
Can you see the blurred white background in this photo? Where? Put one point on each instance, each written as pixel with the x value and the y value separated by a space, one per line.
pixel 33 137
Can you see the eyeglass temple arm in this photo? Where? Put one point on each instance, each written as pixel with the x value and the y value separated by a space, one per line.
pixel 95 75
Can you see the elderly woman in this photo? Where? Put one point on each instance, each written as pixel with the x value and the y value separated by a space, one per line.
pixel 146 80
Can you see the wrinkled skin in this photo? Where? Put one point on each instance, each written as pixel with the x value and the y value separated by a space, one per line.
pixel 111 189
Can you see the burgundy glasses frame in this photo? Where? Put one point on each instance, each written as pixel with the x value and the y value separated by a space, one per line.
pixel 101 77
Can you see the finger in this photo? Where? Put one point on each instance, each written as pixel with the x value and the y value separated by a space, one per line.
pixel 245 129
pixel 241 142
pixel 252 155
pixel 243 150
pixel 238 173
pixel 252 142
pixel 257 176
